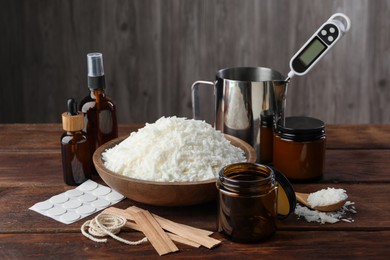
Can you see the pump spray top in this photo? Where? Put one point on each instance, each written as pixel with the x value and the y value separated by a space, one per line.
pixel 96 79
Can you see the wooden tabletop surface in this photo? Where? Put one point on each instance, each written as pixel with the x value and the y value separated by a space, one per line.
pixel 357 159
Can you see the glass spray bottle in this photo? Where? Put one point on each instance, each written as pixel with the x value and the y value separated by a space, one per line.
pixel 100 113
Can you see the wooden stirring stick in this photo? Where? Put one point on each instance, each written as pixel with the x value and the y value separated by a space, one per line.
pixel 174 237
pixel 152 230
pixel 199 236
pixel 195 235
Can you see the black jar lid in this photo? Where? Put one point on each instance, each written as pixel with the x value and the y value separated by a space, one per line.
pixel 300 128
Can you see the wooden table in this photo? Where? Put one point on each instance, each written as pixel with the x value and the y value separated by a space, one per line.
pixel 357 159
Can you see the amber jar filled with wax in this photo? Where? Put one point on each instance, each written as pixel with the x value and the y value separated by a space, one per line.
pixel 247 202
pixel 299 148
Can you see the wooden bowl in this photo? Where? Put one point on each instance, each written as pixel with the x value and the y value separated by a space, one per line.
pixel 163 193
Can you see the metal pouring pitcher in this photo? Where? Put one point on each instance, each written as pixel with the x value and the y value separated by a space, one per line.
pixel 248 100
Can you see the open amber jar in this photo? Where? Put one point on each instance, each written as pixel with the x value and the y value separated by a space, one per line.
pixel 299 148
pixel 248 201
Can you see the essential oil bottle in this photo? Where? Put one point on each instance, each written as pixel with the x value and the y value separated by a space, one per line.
pixel 100 113
pixel 75 148
pixel 266 139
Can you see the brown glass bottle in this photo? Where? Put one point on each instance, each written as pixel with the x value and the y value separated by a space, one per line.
pixel 100 112
pixel 266 139
pixel 75 149
pixel 100 117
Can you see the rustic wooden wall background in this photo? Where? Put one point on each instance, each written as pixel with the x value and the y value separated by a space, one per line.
pixel 154 50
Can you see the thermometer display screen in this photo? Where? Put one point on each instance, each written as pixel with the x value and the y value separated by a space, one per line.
pixel 313 50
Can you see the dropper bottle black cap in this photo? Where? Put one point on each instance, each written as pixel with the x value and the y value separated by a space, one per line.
pixel 72 107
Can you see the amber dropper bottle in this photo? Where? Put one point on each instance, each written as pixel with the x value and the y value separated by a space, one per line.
pixel 75 149
pixel 100 113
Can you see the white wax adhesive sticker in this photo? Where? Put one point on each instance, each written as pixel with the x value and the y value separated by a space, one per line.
pixel 78 203
pixel 56 211
pixel 44 205
pixel 70 217
pixel 101 203
pixel 114 196
pixel 88 186
pixel 74 193
pixel 86 209
pixel 101 191
pixel 87 198
pixel 72 204
pixel 59 199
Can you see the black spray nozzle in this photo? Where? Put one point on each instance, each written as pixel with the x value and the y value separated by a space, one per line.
pixel 72 107
pixel 95 71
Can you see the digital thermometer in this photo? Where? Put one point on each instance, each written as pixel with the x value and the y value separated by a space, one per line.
pixel 319 44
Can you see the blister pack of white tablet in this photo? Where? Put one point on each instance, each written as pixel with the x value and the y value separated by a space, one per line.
pixel 73 205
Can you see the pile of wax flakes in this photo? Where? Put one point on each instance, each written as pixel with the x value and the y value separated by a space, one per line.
pixel 327 217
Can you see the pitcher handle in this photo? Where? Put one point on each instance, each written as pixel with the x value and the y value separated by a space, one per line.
pixel 195 97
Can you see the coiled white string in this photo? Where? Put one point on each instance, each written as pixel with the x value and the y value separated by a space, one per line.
pixel 107 224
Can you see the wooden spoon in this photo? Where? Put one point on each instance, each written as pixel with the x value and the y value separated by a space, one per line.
pixel 302 198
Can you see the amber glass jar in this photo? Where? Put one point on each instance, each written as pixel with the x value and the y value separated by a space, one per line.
pixel 247 202
pixel 299 148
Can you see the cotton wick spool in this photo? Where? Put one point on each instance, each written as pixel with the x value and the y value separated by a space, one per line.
pixel 106 224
